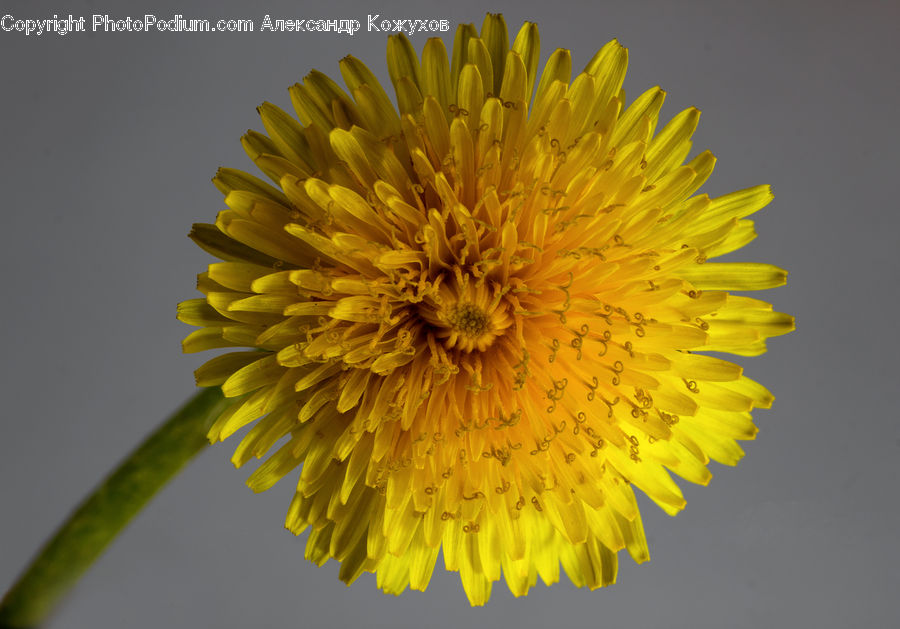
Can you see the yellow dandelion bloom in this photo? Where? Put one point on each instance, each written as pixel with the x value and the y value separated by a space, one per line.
pixel 474 321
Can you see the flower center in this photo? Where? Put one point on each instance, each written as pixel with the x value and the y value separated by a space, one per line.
pixel 471 325
pixel 466 315
pixel 469 320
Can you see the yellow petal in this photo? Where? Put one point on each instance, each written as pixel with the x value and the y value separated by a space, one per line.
pixel 436 74
pixel 528 45
pixel 496 37
pixel 734 276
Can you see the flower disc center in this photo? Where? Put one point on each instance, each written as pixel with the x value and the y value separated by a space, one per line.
pixel 469 320
pixel 466 315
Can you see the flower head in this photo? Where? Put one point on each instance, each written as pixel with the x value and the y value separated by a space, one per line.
pixel 478 320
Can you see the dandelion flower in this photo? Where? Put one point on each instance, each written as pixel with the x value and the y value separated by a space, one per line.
pixel 475 322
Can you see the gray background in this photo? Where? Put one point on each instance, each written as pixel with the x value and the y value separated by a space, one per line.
pixel 108 145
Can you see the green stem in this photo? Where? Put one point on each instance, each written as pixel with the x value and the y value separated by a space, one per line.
pixel 84 536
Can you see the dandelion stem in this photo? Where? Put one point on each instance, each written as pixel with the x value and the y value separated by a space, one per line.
pixel 96 522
